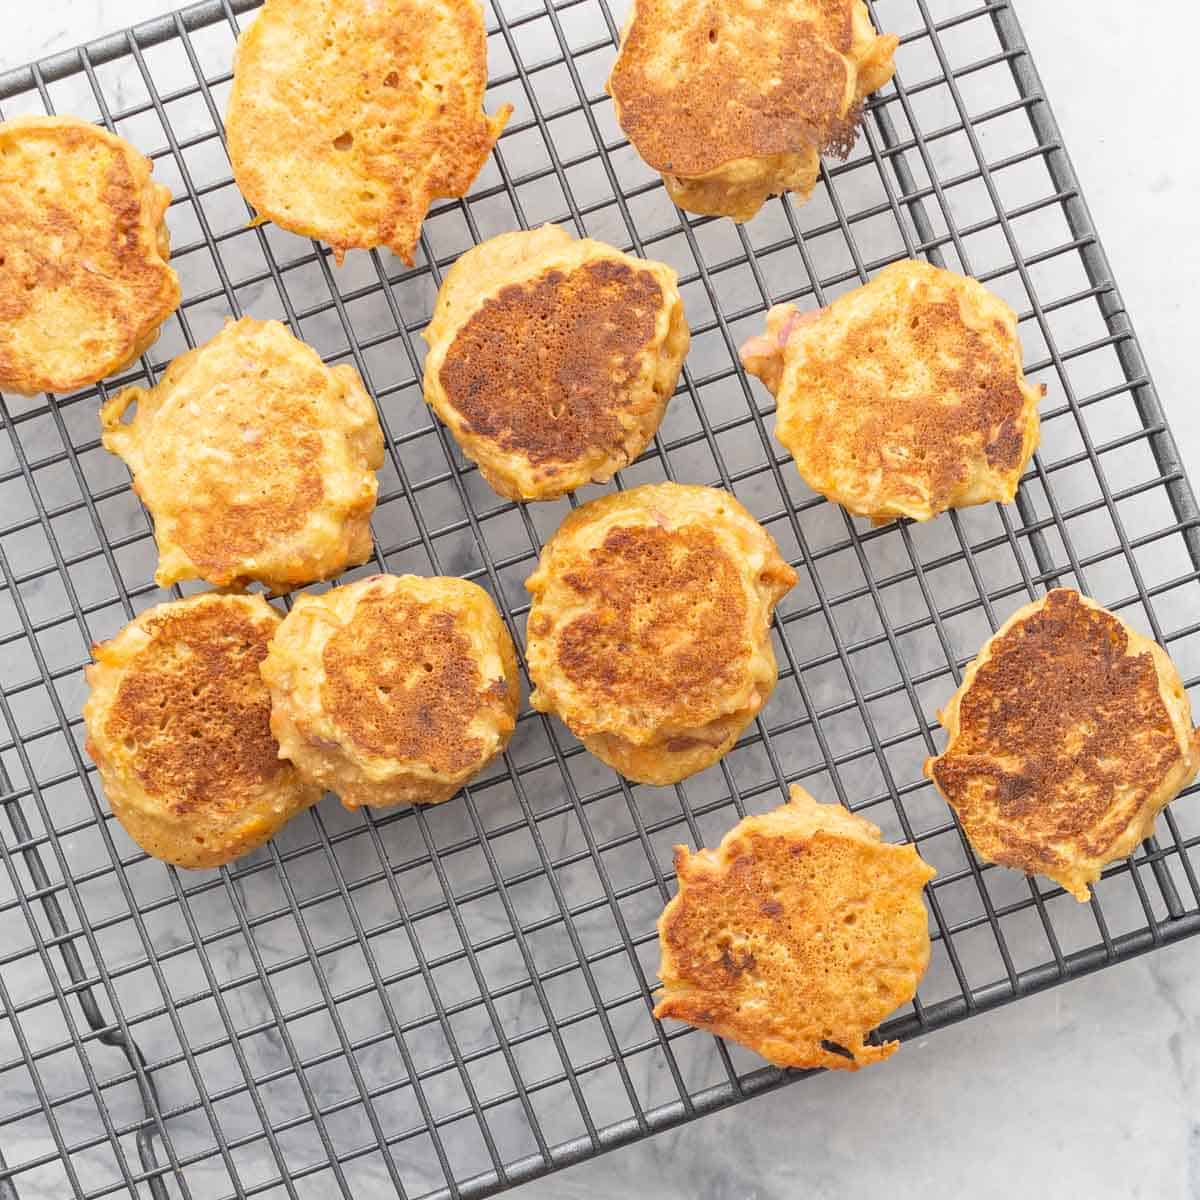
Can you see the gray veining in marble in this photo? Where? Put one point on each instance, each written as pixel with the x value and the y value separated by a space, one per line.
pixel 1090 1090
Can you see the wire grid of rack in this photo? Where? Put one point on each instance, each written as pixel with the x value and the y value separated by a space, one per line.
pixel 448 1002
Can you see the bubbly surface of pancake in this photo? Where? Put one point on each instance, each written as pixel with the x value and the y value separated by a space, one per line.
pixel 552 359
pixel 649 633
pixel 178 721
pixel 256 461
pixel 1070 734
pixel 347 118
pixel 395 689
pixel 734 100
pixel 84 280
pixel 903 398
pixel 797 936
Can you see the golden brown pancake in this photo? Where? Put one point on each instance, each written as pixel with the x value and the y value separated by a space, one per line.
pixel 649 633
pixel 178 721
pixel 903 398
pixel 347 118
pixel 256 461
pixel 797 936
pixel 1069 735
pixel 84 280
pixel 395 689
pixel 735 100
pixel 552 360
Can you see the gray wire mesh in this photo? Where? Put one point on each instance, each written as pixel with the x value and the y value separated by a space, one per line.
pixel 454 1000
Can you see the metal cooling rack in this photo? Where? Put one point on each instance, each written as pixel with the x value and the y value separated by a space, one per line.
pixel 448 1002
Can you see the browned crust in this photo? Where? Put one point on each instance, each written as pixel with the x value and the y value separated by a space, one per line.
pixel 649 633
pixel 741 81
pixel 178 722
pixel 1062 741
pixel 796 937
pixel 230 452
pixel 364 106
pixel 664 626
pixel 402 682
pixel 198 712
pixel 543 368
pixel 905 397
pixel 989 408
pixel 242 529
pixel 84 280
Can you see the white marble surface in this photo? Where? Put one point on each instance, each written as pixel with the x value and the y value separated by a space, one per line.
pixel 1092 1089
